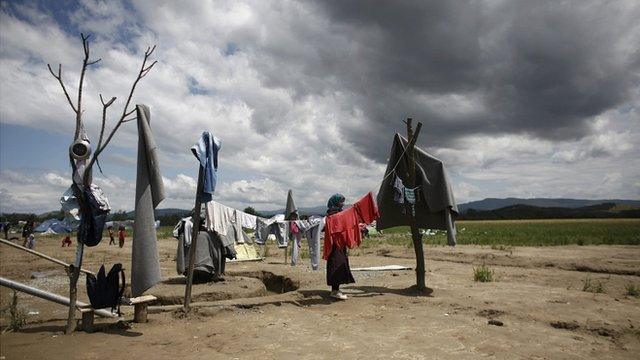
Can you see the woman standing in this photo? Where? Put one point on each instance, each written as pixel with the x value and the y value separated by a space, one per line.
pixel 338 271
pixel 121 235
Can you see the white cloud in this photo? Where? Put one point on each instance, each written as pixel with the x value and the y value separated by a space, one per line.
pixel 282 125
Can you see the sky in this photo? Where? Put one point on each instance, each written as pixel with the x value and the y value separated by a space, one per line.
pixel 517 98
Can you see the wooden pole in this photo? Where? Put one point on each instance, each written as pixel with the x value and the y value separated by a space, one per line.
pixel 74 273
pixel 411 183
pixel 44 256
pixel 194 240
pixel 286 249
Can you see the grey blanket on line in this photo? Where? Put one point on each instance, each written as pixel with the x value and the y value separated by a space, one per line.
pixel 209 258
pixel 291 206
pixel 435 190
pixel 145 262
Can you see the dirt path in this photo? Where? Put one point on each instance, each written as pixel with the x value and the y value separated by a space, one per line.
pixel 538 299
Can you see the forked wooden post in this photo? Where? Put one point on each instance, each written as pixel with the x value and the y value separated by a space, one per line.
pixel 194 240
pixel 412 137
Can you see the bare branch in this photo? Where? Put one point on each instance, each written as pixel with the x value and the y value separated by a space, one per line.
pixel 64 89
pixel 93 62
pixel 107 104
pixel 129 119
pixel 85 45
pixel 144 70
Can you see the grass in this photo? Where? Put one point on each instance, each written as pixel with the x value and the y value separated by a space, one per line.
pixel 530 233
pixel 632 290
pixel 592 286
pixel 502 234
pixel 18 318
pixel 482 274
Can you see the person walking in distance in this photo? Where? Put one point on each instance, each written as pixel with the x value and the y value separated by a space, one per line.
pixel 121 235
pixel 112 240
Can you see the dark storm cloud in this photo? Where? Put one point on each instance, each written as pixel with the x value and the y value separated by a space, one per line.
pixel 461 67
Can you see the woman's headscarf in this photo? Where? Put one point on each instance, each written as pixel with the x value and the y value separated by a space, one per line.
pixel 335 204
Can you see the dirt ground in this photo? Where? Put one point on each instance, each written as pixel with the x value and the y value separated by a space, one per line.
pixel 536 307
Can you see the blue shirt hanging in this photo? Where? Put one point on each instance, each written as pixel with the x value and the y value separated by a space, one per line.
pixel 206 151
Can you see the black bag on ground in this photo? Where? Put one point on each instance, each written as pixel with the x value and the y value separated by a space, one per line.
pixel 104 291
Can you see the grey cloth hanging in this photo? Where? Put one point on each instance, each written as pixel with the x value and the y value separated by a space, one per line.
pixel 145 262
pixel 291 206
pixel 435 208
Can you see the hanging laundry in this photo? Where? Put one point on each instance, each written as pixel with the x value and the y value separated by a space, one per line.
pixel 410 198
pixel 311 229
pixel 290 209
pixel 276 226
pixel 296 241
pixel 70 206
pixel 209 257
pixel 398 190
pixel 184 227
pixel 93 218
pixel 342 229
pixel 410 195
pixel 206 151
pixel 245 220
pixel 262 230
pixel 313 238
pixel 435 207
pixel 145 261
pixel 218 217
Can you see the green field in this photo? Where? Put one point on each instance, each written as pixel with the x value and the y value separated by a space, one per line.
pixel 532 233
pixel 509 233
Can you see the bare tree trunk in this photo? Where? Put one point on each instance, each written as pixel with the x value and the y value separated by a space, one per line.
pixel 74 275
pixel 84 179
pixel 411 183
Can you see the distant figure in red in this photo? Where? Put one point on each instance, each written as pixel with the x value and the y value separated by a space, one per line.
pixel 66 241
pixel 121 235
pixel 112 241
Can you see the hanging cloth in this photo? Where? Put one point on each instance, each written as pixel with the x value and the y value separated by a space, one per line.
pixel 145 262
pixel 291 206
pixel 206 151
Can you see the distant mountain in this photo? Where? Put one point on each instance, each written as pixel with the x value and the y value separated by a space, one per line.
pixel 520 211
pixel 490 208
pixel 493 203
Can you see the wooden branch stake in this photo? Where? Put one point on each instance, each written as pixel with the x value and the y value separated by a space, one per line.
pixel 194 240
pixel 411 183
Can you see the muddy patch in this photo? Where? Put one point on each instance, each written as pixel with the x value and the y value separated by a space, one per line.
pixel 566 325
pixel 490 313
pixel 274 283
pixel 234 286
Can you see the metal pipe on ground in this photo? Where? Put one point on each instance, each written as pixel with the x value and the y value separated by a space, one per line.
pixel 44 256
pixel 50 296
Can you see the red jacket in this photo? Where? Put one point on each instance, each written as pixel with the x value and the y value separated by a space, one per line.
pixel 342 229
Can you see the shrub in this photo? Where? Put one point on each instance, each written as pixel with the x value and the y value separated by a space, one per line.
pixel 632 290
pixel 482 274
pixel 18 317
pixel 592 286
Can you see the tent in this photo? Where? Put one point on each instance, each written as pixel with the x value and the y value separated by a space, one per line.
pixel 53 226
